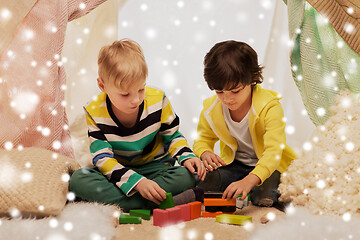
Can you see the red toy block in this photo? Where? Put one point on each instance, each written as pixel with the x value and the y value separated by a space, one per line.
pixel 219 202
pixel 174 215
pixel 195 210
pixel 185 212
pixel 160 217
pixel 206 214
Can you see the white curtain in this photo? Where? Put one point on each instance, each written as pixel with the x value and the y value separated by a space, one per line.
pixel 175 38
pixel 84 38
pixel 278 78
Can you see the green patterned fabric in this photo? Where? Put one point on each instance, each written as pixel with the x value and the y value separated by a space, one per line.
pixel 322 62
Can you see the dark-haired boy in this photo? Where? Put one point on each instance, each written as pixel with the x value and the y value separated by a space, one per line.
pixel 249 123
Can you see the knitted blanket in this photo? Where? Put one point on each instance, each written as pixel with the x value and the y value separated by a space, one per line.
pixel 344 17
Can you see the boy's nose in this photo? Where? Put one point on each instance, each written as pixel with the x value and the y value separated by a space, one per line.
pixel 226 98
pixel 135 99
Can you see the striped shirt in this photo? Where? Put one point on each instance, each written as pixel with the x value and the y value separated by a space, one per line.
pixel 155 137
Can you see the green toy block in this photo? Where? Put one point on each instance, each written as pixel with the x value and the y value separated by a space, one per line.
pixel 168 202
pixel 242 203
pixel 124 218
pixel 248 196
pixel 143 213
pixel 233 219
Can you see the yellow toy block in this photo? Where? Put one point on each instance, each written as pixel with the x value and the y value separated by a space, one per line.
pixel 233 219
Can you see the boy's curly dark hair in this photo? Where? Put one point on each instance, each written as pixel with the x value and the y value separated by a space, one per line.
pixel 231 63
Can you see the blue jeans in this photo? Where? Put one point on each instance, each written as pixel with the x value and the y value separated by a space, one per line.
pixel 219 179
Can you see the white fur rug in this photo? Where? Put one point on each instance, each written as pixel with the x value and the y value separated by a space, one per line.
pixel 78 221
pixel 299 224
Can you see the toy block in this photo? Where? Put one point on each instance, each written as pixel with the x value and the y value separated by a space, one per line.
pixel 185 212
pixel 233 219
pixel 160 217
pixel 228 209
pixel 167 217
pixel 143 213
pixel 219 202
pixel 195 210
pixel 174 215
pixel 242 203
pixel 224 209
pixel 213 209
pixel 213 194
pixel 206 214
pixel 168 202
pixel 124 219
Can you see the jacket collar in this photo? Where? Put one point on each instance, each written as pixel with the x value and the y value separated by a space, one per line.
pixel 215 116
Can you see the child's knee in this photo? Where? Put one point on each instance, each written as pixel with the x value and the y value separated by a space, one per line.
pixel 78 177
pixel 186 177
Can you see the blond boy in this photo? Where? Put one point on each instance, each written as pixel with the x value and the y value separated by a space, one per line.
pixel 134 137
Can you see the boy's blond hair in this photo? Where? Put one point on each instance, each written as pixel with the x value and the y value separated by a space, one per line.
pixel 121 63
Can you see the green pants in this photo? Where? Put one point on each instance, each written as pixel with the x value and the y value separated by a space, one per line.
pixel 91 185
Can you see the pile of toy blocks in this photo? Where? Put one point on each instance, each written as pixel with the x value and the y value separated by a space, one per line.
pixel 168 214
pixel 215 205
pixel 135 216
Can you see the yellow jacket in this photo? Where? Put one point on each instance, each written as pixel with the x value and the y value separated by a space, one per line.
pixel 267 129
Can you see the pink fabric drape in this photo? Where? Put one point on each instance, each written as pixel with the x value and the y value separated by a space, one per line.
pixel 32 78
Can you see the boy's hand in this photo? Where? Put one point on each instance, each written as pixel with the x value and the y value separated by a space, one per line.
pixel 150 190
pixel 241 187
pixel 211 160
pixel 195 163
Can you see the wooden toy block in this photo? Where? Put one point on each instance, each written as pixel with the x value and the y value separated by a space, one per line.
pixel 168 202
pixel 143 213
pixel 185 212
pixel 228 209
pixel 195 210
pixel 206 214
pixel 213 194
pixel 219 202
pixel 124 219
pixel 233 219
pixel 174 215
pixel 224 209
pixel 167 217
pixel 242 203
pixel 160 217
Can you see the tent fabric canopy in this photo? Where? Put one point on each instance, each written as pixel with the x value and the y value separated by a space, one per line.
pixel 15 12
pixel 322 62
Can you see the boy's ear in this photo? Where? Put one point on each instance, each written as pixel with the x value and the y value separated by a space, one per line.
pixel 100 83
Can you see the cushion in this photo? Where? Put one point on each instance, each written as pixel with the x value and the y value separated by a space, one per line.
pixel 34 182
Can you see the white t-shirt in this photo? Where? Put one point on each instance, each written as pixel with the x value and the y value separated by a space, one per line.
pixel 240 131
